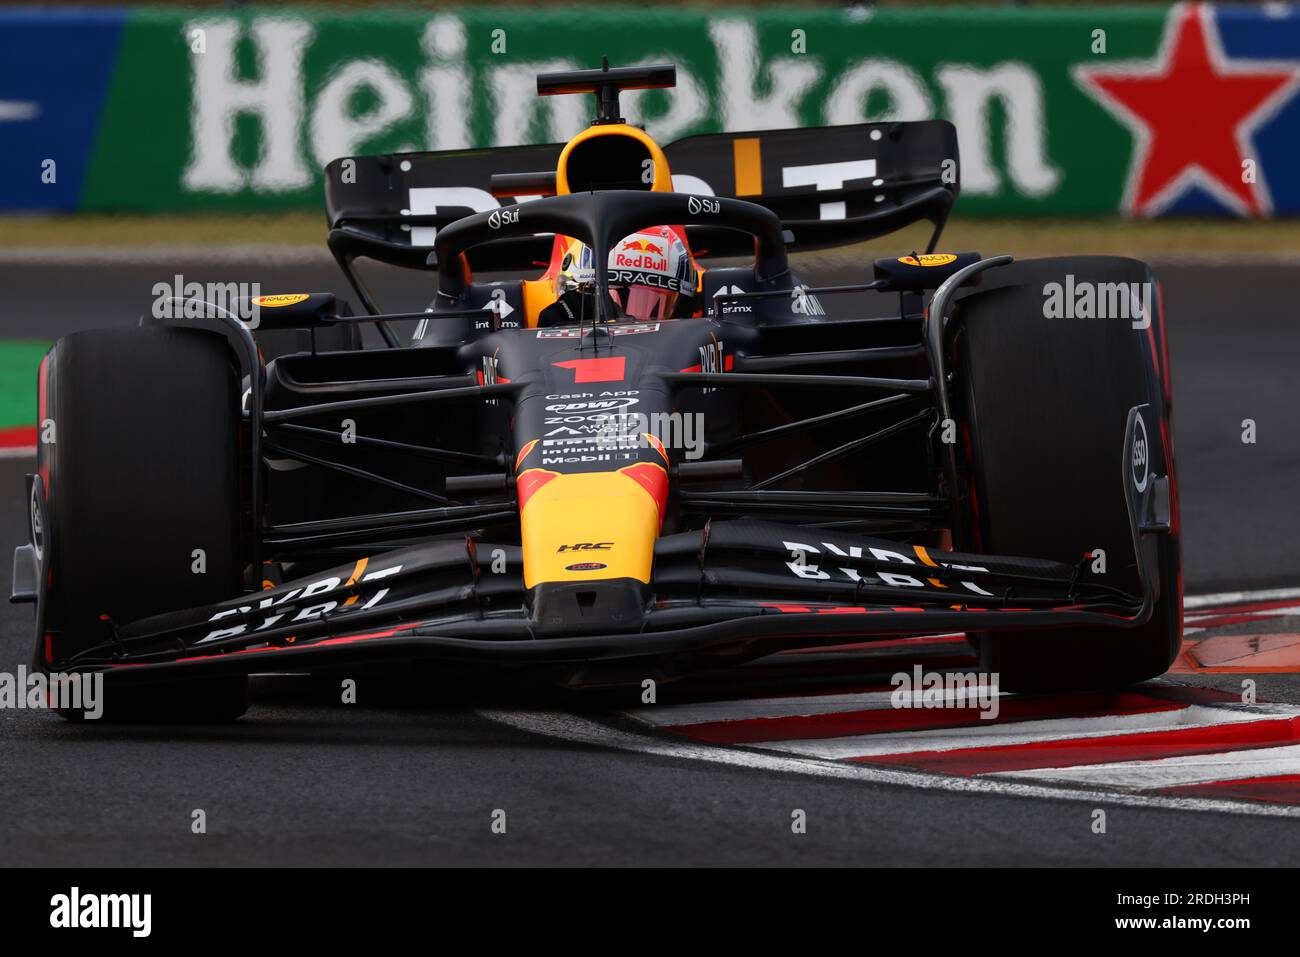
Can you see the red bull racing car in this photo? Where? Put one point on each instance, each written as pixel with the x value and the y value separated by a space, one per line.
pixel 639 462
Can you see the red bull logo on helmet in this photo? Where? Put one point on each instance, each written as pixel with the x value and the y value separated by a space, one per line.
pixel 646 261
pixel 640 244
pixel 662 257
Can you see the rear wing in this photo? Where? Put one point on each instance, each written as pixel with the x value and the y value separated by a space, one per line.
pixel 828 185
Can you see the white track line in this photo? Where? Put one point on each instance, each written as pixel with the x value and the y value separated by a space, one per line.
pixel 1171 772
pixel 1202 615
pixel 705 712
pixel 1017 732
pixel 1193 602
pixel 28 452
pixel 1195 620
pixel 584 731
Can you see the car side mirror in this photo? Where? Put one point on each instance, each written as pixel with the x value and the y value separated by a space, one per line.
pixel 920 271
pixel 295 310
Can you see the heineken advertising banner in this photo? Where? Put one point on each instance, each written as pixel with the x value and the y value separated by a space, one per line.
pixel 1060 111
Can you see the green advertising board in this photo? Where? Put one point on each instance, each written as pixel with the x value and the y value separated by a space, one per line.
pixel 239 110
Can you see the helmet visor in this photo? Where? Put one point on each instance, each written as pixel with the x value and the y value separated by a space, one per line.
pixel 645 302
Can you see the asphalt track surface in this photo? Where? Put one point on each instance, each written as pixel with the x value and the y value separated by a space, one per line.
pixel 412 776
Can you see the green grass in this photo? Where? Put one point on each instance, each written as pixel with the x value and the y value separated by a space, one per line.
pixel 1109 236
pixel 1021 236
pixel 106 232
pixel 19 360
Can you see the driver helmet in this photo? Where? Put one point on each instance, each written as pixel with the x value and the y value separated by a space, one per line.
pixel 648 272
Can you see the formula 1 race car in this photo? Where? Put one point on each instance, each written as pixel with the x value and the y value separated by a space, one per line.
pixel 632 466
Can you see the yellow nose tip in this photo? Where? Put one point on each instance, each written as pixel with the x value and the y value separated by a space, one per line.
pixel 589 526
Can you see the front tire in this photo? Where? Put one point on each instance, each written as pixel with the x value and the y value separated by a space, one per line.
pixel 138 494
pixel 1046 401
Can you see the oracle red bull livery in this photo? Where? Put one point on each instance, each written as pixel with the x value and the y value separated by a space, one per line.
pixel 658 452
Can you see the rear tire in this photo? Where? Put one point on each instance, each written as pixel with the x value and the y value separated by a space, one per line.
pixel 1046 401
pixel 142 473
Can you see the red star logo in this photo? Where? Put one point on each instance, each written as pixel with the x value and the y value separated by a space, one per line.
pixel 1192 112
